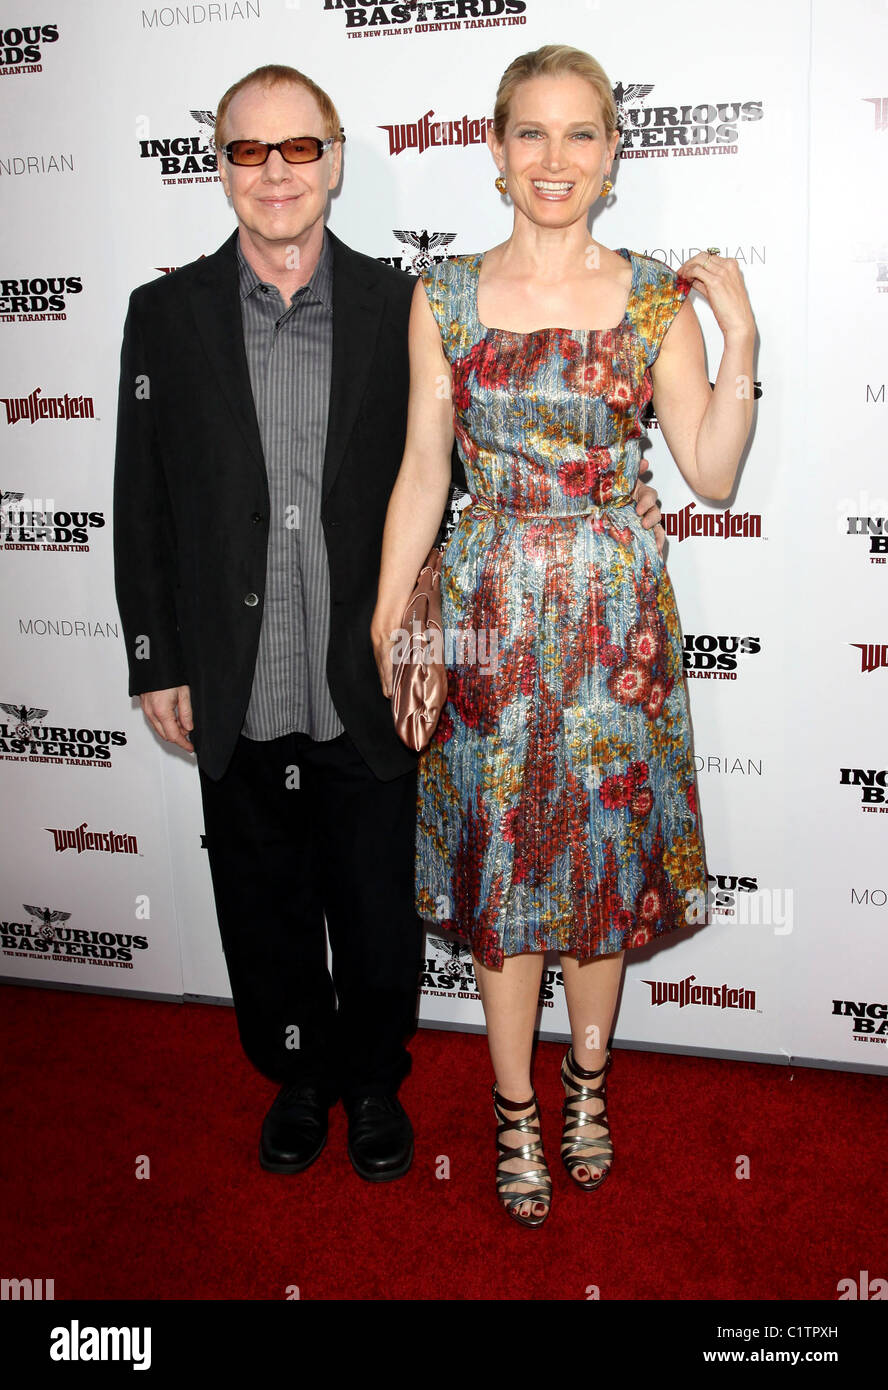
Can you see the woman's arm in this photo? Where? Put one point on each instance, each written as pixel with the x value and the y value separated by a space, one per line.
pixel 706 427
pixel 419 496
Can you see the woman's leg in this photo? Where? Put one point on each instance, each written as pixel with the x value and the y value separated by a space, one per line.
pixel 511 998
pixel 591 990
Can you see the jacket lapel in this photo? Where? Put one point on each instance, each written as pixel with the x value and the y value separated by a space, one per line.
pixel 215 299
pixel 357 307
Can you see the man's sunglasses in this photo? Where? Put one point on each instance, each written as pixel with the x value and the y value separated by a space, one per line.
pixel 299 149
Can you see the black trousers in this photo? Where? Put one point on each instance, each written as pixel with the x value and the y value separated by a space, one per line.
pixel 296 831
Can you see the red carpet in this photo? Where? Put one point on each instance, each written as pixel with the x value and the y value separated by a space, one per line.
pixel 92 1082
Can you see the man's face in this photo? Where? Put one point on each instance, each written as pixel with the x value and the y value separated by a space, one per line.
pixel 276 203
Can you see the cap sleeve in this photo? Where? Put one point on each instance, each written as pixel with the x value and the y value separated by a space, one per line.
pixel 438 284
pixel 662 295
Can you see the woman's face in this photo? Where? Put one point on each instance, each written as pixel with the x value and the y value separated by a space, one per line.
pixel 555 153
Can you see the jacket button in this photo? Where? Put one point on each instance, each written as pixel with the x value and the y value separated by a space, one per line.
pixel 256 518
pixel 251 600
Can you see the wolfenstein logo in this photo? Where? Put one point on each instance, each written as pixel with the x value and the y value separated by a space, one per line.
pixel 727 524
pixel 684 992
pixel 39 407
pixel 423 134
pixel 873 655
pixel 880 112
pixel 168 269
pixel 423 243
pixel 111 841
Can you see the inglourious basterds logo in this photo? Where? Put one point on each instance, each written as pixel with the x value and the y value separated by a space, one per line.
pixel 447 969
pixel 24 738
pixel 45 937
pixel 448 973
pixel 421 250
pixel 35 523
pixel 689 128
pixel 21 47
pixel 188 158
pixel 723 891
pixel 37 298
pixel 870 1020
pixel 870 784
pixel 426 16
pixel 716 656
pixel 873 529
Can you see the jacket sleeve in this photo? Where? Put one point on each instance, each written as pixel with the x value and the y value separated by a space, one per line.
pixel 145 568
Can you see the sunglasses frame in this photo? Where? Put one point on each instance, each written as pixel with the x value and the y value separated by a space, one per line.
pixel 322 148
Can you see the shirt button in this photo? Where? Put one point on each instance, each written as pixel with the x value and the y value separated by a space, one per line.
pixel 251 600
pixel 256 518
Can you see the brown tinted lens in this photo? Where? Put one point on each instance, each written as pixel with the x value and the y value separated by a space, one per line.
pixel 302 150
pixel 247 152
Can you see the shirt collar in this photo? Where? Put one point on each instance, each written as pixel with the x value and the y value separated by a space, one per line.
pixel 320 285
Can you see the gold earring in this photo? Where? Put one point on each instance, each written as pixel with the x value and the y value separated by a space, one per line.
pixel 500 184
pixel 606 188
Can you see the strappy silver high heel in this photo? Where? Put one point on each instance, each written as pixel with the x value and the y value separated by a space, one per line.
pixel 533 1152
pixel 572 1078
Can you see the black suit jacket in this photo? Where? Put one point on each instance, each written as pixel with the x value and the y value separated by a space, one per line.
pixel 191 504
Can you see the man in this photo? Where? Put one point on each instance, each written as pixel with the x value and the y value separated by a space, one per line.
pixel 262 416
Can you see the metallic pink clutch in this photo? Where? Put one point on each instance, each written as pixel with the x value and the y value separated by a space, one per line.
pixel 419 686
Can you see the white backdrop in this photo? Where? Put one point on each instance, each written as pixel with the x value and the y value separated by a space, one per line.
pixel 766 137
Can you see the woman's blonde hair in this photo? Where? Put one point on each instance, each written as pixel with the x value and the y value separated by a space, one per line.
pixel 554 60
pixel 274 75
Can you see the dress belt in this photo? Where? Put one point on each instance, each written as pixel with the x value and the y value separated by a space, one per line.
pixel 485 504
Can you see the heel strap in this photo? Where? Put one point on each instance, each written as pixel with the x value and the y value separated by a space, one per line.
pixel 580 1072
pixel 500 1100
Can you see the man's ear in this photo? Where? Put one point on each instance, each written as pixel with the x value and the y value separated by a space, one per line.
pixel 222 169
pixel 335 164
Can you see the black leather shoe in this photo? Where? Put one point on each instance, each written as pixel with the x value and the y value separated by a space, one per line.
pixel 380 1138
pixel 294 1131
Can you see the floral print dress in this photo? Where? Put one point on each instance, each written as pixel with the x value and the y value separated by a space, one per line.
pixel 557 799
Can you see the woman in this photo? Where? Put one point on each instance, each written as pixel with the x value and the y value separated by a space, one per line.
pixel 557 799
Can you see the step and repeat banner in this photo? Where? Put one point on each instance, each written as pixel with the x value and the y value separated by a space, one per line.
pixel 765 135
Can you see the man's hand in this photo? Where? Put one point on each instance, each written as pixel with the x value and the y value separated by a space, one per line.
pixel 169 714
pixel 648 508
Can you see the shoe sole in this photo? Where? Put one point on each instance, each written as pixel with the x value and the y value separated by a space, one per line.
pixel 369 1175
pixel 290 1167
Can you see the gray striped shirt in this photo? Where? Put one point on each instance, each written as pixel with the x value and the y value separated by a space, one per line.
pixel 289 353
